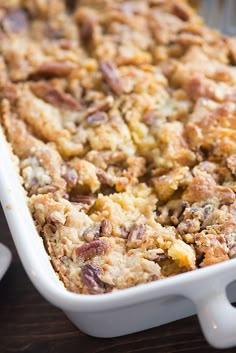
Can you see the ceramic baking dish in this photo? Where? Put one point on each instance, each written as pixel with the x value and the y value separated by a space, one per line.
pixel 129 310
pixel 5 259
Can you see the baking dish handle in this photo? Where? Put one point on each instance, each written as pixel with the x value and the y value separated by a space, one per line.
pixel 216 315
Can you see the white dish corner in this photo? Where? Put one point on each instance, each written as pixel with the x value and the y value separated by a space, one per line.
pixel 5 259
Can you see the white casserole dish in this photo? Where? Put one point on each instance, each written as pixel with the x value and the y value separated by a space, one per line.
pixel 126 311
pixel 5 259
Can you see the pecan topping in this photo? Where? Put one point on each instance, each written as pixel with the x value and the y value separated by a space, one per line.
pixel 89 277
pixel 111 76
pixel 136 232
pixel 106 228
pixel 97 118
pixel 92 249
pixel 52 69
pixel 15 21
pixel 92 233
pixel 55 97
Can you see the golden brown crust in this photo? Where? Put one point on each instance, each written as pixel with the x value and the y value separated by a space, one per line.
pixel 122 115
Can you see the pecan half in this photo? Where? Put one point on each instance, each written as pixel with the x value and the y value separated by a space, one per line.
pixel 15 21
pixel 92 249
pixel 53 69
pixel 89 277
pixel 111 76
pixel 55 97
pixel 106 228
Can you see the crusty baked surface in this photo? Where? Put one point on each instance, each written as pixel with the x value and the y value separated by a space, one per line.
pixel 123 117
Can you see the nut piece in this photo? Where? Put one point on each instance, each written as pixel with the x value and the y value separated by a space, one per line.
pixel 86 199
pixel 89 277
pixel 92 249
pixel 71 177
pixel 136 232
pixel 52 69
pixel 92 233
pixel 106 228
pixel 182 11
pixel 111 76
pixel 55 97
pixel 97 118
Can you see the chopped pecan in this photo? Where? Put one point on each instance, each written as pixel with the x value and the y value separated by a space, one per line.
pixel 56 217
pixel 182 11
pixel 106 228
pixel 86 199
pixel 124 232
pixel 92 249
pixel 105 178
pixel 156 255
pixel 89 277
pixel 15 21
pixel 136 232
pixel 54 69
pixel 92 233
pixel 97 118
pixel 189 226
pixel 86 29
pixel 111 76
pixel 101 105
pixel 86 21
pixel 71 177
pixel 49 94
pixel 178 212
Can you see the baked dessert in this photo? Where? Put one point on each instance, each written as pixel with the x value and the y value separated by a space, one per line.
pixel 122 115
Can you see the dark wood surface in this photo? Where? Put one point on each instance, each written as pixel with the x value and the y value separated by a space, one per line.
pixel 29 324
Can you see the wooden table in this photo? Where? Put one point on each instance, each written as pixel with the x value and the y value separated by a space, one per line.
pixel 29 324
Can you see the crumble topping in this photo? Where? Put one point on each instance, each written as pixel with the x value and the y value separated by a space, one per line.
pixel 122 115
